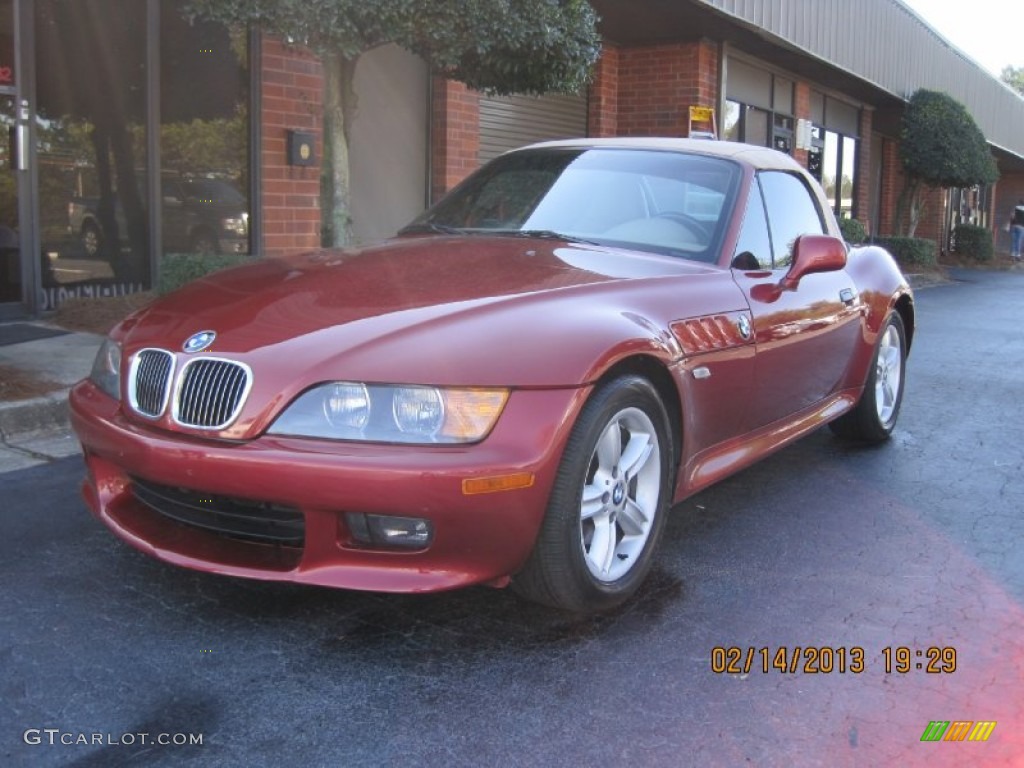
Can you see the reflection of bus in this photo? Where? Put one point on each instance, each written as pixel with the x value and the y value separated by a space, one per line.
pixel 200 215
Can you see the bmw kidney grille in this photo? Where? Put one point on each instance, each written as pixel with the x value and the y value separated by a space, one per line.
pixel 149 385
pixel 209 394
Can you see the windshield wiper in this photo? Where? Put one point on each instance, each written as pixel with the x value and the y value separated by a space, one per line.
pixel 430 226
pixel 543 234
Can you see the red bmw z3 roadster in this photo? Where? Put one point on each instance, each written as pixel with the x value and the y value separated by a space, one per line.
pixel 512 391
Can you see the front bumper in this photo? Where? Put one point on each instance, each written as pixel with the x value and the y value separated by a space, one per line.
pixel 477 538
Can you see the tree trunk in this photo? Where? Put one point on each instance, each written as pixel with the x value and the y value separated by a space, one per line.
pixel 335 179
pixel 911 205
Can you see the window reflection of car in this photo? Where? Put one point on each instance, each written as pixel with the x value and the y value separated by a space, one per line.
pixel 199 216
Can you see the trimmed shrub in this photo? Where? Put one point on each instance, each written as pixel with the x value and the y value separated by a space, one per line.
pixel 910 251
pixel 176 269
pixel 973 241
pixel 853 231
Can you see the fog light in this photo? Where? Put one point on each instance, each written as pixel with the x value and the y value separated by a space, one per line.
pixel 390 531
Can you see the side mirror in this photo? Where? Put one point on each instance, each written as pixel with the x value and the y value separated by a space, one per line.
pixel 814 253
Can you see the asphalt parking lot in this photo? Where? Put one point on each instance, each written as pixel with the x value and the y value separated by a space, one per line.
pixel 914 545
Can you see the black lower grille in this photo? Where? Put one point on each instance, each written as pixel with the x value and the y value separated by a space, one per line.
pixel 238 518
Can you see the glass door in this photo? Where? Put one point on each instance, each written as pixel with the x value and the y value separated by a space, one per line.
pixel 10 252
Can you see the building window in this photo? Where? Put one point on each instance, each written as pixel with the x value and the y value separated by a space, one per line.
pixel 96 141
pixel 759 107
pixel 204 135
pixel 832 158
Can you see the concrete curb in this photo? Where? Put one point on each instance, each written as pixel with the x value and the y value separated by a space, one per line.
pixel 63 360
pixel 38 414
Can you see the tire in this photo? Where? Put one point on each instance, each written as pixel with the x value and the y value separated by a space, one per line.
pixel 608 504
pixel 91 239
pixel 873 419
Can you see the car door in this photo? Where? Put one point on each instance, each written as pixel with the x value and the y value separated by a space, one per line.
pixel 804 334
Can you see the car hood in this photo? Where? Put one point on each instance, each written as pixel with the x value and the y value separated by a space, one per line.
pixel 478 311
pixel 355 295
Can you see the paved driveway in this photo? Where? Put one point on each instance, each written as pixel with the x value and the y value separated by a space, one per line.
pixel 914 545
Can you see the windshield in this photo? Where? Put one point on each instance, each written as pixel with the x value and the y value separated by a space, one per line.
pixel 666 202
pixel 213 190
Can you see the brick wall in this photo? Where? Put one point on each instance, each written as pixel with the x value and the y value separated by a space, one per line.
pixel 657 84
pixel 603 97
pixel 292 100
pixel 802 111
pixel 935 215
pixel 931 224
pixel 892 185
pixel 863 191
pixel 455 135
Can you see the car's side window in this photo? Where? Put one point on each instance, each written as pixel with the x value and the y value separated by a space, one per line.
pixel 754 246
pixel 792 212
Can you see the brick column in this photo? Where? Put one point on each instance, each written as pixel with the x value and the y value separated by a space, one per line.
pixel 455 135
pixel 863 191
pixel 603 101
pixel 292 99
pixel 801 111
pixel 659 83
pixel 892 186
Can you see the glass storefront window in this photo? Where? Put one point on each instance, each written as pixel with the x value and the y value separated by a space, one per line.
pixel 759 108
pixel 95 87
pixel 91 141
pixel 731 124
pixel 204 135
pixel 756 129
pixel 830 166
pixel 848 178
pixel 836 169
pixel 10 252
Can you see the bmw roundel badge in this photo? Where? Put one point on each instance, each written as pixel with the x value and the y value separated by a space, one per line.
pixel 197 342
pixel 743 326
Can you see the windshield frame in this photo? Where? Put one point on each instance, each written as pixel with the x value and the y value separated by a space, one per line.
pixel 451 214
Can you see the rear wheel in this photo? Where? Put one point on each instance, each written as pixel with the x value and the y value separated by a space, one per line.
pixel 874 417
pixel 608 505
pixel 91 239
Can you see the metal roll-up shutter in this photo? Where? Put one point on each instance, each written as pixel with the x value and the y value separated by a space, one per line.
pixel 507 122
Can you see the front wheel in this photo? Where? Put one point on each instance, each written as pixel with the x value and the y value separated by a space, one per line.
pixel 608 504
pixel 874 417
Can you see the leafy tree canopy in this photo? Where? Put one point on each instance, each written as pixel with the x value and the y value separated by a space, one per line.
pixel 497 46
pixel 1014 77
pixel 500 46
pixel 942 146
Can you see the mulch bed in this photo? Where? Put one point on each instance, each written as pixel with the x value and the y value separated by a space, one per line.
pixel 98 315
pixel 16 384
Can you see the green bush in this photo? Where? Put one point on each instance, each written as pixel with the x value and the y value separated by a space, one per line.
pixel 853 231
pixel 910 251
pixel 974 241
pixel 176 269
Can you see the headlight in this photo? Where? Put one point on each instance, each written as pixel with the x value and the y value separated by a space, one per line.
pixel 237 226
pixel 347 406
pixel 106 369
pixel 344 410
